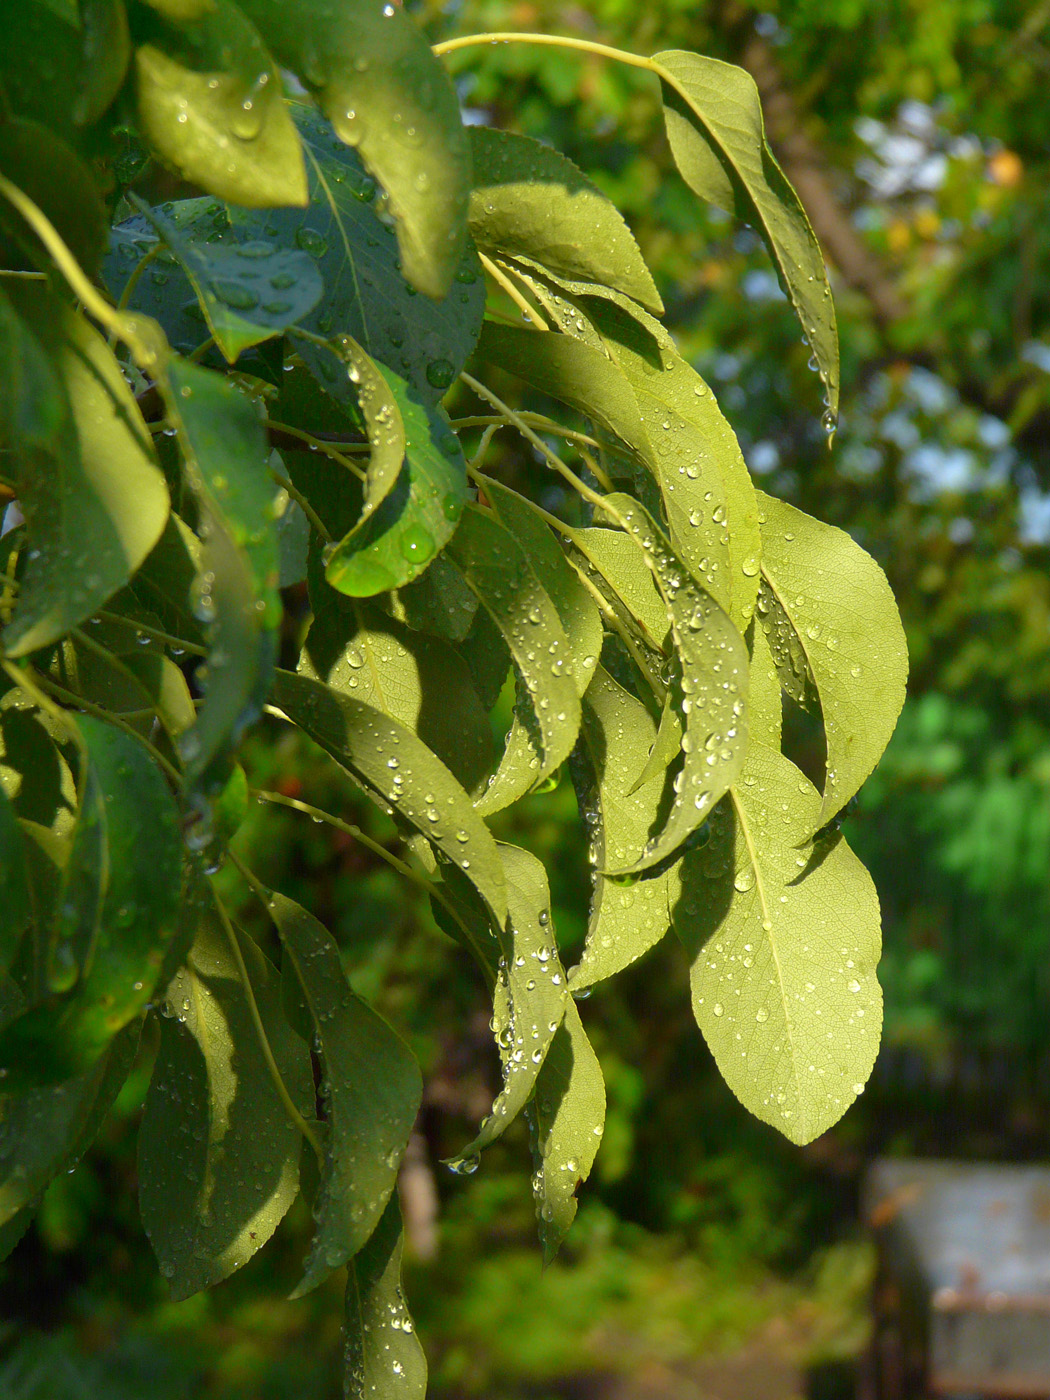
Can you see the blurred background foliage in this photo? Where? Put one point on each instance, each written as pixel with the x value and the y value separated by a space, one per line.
pixel 915 135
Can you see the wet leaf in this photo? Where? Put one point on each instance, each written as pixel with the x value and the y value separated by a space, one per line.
pixel 225 454
pixel 383 1359
pixel 371 1092
pixel 498 571
pixel 714 123
pixel 831 617
pixel 16 910
pixel 218 1160
pixel 626 919
pixel 402 776
pixel 94 499
pixel 765 708
pixel 117 913
pixel 532 201
pixel 568 1117
pixel 529 997
pixel 783 938
pixel 210 102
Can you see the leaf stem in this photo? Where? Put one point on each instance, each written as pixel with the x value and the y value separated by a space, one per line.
pixel 500 277
pixel 154 632
pixel 89 707
pixel 319 445
pixel 260 1030
pixel 559 41
pixel 284 481
pixel 136 276
pixel 32 687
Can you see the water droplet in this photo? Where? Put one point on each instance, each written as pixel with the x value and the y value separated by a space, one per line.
pixel 440 373
pixel 717 1008
pixel 311 241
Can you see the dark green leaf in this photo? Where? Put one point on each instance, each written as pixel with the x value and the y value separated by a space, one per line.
pixel 383 1358
pixel 713 113
pixel 92 514
pixel 784 939
pixel 402 775
pixel 106 51
pixel 218 1161
pixel 58 182
pixel 225 452
pixel 210 101
pixel 497 569
pixel 532 201
pixel 16 910
pixel 375 79
pixel 371 1089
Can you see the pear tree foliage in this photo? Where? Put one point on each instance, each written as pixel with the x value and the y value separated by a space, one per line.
pixel 250 388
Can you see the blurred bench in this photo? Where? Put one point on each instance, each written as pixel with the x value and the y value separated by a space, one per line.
pixel 962 1297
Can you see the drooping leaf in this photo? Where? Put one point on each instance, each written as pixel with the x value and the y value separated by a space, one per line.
pixel 626 919
pixel 117 914
pixel 831 615
pixel 57 180
pixel 666 747
pixel 532 201
pixel 713 685
pixel 414 517
pixel 568 1117
pixel 371 1089
pixel 210 102
pixel 225 453
pixel 620 563
pixel 529 997
pixel 401 774
pixel 218 1157
pixel 16 908
pixel 438 602
pixel 366 294
pixel 373 75
pixel 45 1131
pixel 383 1359
pixel 783 937
pixel 248 291
pixel 498 571
pixel 94 499
pixel 417 679
pixel 378 403
pixel 714 119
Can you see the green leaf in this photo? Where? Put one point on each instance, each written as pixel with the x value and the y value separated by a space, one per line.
pixel 117 914
pixel 497 569
pixel 626 919
pixel 383 1359
pixel 713 685
pixel 531 201
pixel 568 1115
pixel 402 776
pixel 417 679
pixel 218 1159
pixel 16 910
pixel 529 998
pixel 713 113
pixel 12 1231
pixel 59 182
pixel 784 938
pixel 666 747
pixel 45 1131
pixel 210 101
pixel 617 560
pixel 225 453
pixel 831 612
pixel 372 1089
pixel 765 708
pixel 575 607
pixel 374 77
pixel 106 52
pixel 248 291
pixel 393 543
pixel 94 499
pixel 424 341
pixel 34 772
pixel 438 602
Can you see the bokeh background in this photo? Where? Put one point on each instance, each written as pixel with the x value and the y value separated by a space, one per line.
pixel 710 1260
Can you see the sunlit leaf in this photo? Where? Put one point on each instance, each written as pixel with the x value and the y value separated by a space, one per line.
pixel 371 1091
pixel 120 894
pixel 765 717
pixel 498 571
pixel 529 996
pixel 839 625
pixel 224 449
pixel 402 776
pixel 210 102
pixel 626 919
pixel 372 74
pixel 714 118
pixel 568 1117
pixel 94 499
pixel 532 201
pixel 783 938
pixel 383 1358
pixel 218 1161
